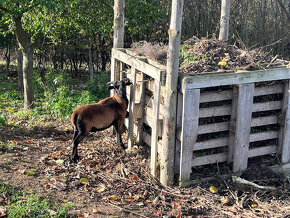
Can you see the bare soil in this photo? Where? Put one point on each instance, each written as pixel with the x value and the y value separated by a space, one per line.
pixel 110 182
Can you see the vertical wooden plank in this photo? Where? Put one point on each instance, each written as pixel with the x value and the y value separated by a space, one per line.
pixel 232 127
pixel 154 126
pixel 189 131
pixel 141 108
pixel 131 108
pixel 282 116
pixel 284 137
pixel 113 70
pixel 243 127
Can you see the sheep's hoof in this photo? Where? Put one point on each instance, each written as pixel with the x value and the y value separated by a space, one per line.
pixel 123 146
pixel 75 159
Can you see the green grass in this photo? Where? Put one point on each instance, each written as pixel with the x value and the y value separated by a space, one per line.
pixel 20 204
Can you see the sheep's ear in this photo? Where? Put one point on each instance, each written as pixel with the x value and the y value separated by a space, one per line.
pixel 111 87
pixel 128 83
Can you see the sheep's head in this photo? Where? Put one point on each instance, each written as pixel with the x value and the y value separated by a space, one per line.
pixel 120 87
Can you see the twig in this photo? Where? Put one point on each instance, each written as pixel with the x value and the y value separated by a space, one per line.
pixel 272 61
pixel 124 209
pixel 243 181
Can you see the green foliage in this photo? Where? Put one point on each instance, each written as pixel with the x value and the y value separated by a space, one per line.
pixel 2 119
pixel 30 205
pixel 59 97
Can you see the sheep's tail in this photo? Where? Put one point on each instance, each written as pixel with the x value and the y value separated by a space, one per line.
pixel 74 120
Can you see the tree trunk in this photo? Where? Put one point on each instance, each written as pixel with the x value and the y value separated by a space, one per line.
pixel 225 20
pixel 20 69
pixel 168 138
pixel 91 67
pixel 24 41
pixel 8 57
pixel 119 16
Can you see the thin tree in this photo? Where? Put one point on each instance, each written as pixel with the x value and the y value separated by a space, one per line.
pixel 225 20
pixel 168 138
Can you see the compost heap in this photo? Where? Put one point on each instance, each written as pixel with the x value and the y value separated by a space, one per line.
pixel 211 55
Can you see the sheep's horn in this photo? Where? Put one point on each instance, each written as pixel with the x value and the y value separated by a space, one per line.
pixel 110 83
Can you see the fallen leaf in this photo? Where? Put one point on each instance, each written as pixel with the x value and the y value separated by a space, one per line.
pixel 113 197
pixel 178 216
pixel 59 161
pixel 140 203
pixel 213 189
pixel 29 141
pixel 30 172
pixel 95 211
pixel 130 198
pixel 2 211
pixel 175 205
pixel 100 189
pixel 157 213
pixel 254 205
pixel 84 181
pixel 133 178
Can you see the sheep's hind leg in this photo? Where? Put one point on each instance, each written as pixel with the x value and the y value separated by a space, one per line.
pixel 74 156
pixel 78 136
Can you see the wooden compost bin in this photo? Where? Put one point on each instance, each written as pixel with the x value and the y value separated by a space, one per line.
pixel 221 117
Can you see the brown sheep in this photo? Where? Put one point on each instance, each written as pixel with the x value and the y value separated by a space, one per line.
pixel 94 117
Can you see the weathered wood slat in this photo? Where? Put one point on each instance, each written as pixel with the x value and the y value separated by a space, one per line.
pixel 270 149
pixel 243 126
pixel 140 109
pixel 216 96
pixel 262 121
pixel 214 111
pixel 268 90
pixel 212 143
pixel 149 69
pixel 266 106
pixel 284 138
pixel 154 127
pixel 179 110
pixel 254 137
pixel 131 108
pixel 239 77
pixel 215 127
pixel 232 127
pixel 226 110
pixel 189 131
pixel 228 94
pixel 209 159
pixel 222 157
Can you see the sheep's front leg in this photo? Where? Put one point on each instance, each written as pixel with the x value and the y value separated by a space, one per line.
pixel 119 138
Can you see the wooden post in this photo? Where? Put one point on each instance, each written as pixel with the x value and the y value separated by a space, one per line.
pixel 284 136
pixel 141 109
pixel 131 108
pixel 232 127
pixel 225 20
pixel 168 139
pixel 155 124
pixel 189 131
pixel 118 41
pixel 243 127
